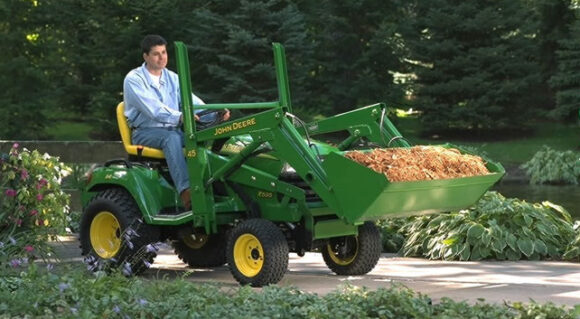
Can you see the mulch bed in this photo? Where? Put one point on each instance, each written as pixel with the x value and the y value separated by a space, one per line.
pixel 420 163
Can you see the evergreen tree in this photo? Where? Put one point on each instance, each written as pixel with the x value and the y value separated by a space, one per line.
pixel 567 80
pixel 24 99
pixel 231 50
pixel 357 49
pixel 476 63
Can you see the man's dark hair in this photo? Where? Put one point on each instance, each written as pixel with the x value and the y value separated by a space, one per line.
pixel 152 40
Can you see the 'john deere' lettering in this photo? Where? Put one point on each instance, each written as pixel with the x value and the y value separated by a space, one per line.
pixel 234 126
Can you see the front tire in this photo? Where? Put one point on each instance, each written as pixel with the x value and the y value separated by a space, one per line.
pixel 113 235
pixel 354 255
pixel 257 253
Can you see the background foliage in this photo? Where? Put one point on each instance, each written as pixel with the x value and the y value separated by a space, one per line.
pixel 473 65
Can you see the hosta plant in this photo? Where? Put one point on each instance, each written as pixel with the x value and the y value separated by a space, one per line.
pixel 495 228
pixel 33 208
pixel 549 166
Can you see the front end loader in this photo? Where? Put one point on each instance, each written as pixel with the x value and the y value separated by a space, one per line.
pixel 262 186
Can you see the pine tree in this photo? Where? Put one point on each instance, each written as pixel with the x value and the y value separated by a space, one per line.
pixel 231 50
pixel 567 80
pixel 476 64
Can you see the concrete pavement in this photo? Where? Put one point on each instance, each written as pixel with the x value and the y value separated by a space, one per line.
pixel 496 282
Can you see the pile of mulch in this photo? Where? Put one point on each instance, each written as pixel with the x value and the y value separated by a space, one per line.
pixel 420 163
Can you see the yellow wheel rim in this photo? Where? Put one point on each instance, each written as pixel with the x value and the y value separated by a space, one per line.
pixel 343 258
pixel 195 241
pixel 248 255
pixel 106 234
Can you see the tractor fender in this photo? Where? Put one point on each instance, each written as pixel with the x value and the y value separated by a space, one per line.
pixel 148 188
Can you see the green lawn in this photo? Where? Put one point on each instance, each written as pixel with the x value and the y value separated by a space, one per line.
pixel 505 150
pixel 69 131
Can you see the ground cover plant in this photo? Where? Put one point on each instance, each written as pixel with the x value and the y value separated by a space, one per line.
pixel 495 228
pixel 74 293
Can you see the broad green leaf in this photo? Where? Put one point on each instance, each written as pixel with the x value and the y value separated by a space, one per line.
pixel 526 246
pixel 475 231
pixel 465 252
pixel 528 220
pixel 498 245
pixel 540 247
pixel 513 255
pixel 512 241
pixel 485 238
pixel 450 241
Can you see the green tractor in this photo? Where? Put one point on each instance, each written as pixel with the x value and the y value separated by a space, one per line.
pixel 261 187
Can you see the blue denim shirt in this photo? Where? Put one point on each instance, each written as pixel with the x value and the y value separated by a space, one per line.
pixel 149 106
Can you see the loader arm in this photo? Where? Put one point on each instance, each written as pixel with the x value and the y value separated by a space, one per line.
pixel 368 122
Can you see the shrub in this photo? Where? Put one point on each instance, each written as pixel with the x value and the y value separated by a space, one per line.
pixel 33 208
pixel 76 294
pixel 495 228
pixel 553 167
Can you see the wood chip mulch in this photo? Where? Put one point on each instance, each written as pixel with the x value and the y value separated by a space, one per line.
pixel 420 163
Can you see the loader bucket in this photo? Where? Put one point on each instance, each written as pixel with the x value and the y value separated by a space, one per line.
pixel 364 194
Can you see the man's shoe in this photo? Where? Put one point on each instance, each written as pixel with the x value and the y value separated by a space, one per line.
pixel 186 198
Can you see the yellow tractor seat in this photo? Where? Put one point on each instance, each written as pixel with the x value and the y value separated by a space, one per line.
pixel 125 130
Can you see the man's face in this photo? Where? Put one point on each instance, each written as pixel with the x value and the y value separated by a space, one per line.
pixel 156 59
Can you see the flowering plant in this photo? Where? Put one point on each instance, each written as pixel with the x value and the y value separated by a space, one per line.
pixel 33 208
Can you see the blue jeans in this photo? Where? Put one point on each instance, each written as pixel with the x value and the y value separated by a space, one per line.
pixel 171 141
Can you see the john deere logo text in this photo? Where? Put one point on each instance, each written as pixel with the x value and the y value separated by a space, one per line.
pixel 235 126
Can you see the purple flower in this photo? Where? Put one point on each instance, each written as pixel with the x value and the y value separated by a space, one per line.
pixel 10 192
pixel 130 232
pixel 127 271
pixel 39 197
pixel 33 212
pixel 151 248
pixel 63 286
pixel 15 263
pixel 142 302
pixel 117 309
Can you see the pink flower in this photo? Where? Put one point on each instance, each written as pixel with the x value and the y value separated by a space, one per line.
pixel 28 248
pixel 39 197
pixel 19 222
pixel 24 174
pixel 33 212
pixel 15 145
pixel 10 192
pixel 41 183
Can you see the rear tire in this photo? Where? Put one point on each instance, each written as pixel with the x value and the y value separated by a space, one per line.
pixel 201 250
pixel 257 253
pixel 113 235
pixel 354 255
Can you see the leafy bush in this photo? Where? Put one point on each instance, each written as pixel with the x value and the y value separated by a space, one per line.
pixel 551 166
pixel 40 293
pixel 33 208
pixel 496 228
pixel 392 238
pixel 573 249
